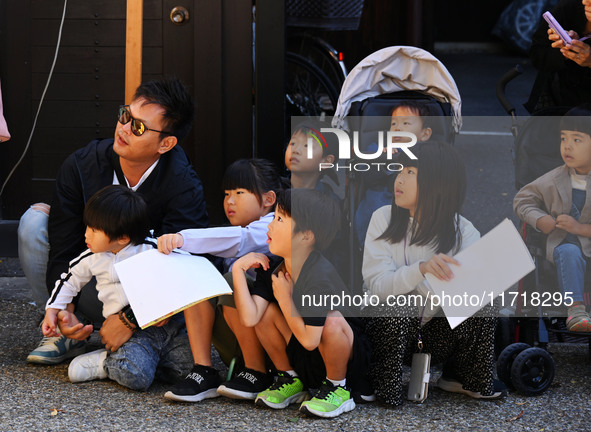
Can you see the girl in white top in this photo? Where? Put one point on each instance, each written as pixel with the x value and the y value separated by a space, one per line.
pixel 416 235
pixel 250 188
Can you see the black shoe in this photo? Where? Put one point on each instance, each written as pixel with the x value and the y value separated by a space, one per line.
pixel 363 392
pixel 246 385
pixel 201 383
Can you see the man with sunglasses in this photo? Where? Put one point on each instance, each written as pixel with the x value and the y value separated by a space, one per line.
pixel 143 155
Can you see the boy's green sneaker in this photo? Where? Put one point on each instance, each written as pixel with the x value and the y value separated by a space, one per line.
pixel 284 391
pixel 329 401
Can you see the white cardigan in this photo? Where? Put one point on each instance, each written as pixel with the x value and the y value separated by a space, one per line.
pixel 102 266
pixel 384 270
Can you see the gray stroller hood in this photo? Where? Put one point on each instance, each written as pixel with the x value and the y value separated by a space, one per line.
pixel 394 69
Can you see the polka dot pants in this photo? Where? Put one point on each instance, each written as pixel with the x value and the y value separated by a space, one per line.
pixel 394 340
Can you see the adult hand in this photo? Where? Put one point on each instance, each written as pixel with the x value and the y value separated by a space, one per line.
pixel 579 52
pixel 557 42
pixel 546 224
pixel 71 328
pixel 567 223
pixel 114 333
pixel 168 242
pixel 438 266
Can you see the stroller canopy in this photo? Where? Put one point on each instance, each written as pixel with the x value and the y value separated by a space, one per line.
pixel 394 69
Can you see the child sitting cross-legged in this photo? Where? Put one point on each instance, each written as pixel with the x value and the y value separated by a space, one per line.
pixel 311 347
pixel 117 224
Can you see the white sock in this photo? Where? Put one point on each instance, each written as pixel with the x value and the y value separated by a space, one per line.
pixel 337 383
pixel 292 373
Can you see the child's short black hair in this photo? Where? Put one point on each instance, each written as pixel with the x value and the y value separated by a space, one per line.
pixel 118 211
pixel 179 107
pixel 258 176
pixel 418 107
pixel 311 210
pixel 577 119
pixel 328 141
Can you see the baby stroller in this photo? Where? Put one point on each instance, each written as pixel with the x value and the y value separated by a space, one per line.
pixel 372 89
pixel 536 151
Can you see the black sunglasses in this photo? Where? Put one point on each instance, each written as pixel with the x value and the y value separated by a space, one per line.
pixel 137 126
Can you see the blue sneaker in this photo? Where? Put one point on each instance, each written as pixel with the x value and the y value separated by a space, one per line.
pixel 54 350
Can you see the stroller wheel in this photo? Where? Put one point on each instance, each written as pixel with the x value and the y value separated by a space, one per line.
pixel 505 361
pixel 532 371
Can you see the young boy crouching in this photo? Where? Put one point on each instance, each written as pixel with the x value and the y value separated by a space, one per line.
pixel 311 347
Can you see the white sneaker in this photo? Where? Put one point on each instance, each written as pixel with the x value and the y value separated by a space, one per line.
pixel 454 386
pixel 89 366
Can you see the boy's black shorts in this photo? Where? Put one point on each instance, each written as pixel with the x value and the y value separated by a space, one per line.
pixel 310 366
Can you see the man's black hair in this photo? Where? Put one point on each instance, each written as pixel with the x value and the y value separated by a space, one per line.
pixel 172 95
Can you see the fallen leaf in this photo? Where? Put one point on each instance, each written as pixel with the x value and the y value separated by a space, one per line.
pixel 54 412
pixel 293 419
pixel 504 193
pixel 518 416
pixel 520 403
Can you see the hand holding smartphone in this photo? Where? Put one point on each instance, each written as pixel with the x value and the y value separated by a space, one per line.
pixel 554 25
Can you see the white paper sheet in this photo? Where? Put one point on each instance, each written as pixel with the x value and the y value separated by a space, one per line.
pixel 488 267
pixel 159 285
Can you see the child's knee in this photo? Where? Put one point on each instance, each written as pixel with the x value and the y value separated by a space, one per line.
pixel 271 315
pixel 567 251
pixel 130 376
pixel 231 317
pixel 337 328
pixel 272 318
pixel 136 375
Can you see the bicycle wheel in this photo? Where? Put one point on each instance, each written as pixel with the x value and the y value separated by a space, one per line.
pixel 308 91
pixel 319 52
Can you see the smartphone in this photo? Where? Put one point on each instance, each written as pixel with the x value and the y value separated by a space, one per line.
pixel 280 268
pixel 553 24
pixel 418 386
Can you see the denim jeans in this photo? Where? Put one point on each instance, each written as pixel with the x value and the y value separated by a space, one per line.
pixel 161 352
pixel 33 252
pixel 571 267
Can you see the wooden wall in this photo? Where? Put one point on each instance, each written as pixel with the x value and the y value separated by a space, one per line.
pixel 211 53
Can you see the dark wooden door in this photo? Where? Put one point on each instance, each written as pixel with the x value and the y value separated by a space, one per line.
pixel 212 52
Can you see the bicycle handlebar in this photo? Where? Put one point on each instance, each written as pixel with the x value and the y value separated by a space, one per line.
pixel 511 74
